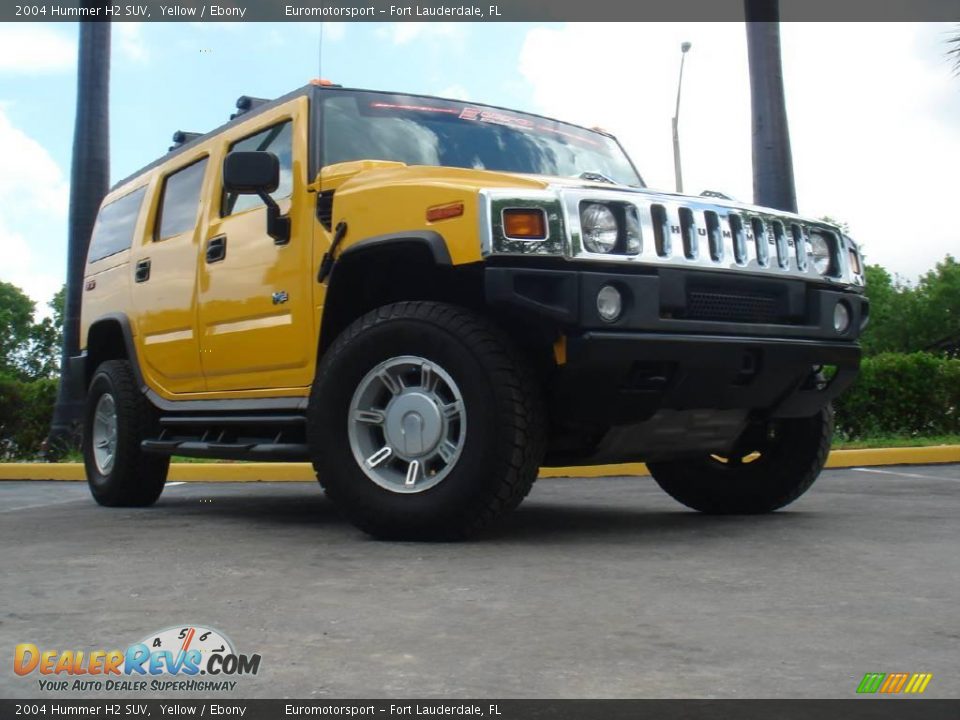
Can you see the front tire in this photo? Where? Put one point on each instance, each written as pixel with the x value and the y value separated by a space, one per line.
pixel 425 422
pixel 767 472
pixel 118 417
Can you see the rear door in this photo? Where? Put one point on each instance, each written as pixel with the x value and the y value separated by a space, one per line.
pixel 164 270
pixel 256 322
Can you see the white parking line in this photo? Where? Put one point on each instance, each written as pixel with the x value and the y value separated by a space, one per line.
pixel 900 474
pixel 17 508
pixel 178 482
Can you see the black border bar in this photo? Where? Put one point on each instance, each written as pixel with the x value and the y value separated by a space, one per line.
pixel 470 10
pixel 853 709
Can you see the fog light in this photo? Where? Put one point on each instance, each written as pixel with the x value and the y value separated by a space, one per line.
pixel 609 303
pixel 841 318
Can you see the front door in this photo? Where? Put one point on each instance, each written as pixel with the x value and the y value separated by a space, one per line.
pixel 256 322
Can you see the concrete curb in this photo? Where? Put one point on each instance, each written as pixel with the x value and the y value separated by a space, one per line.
pixel 302 472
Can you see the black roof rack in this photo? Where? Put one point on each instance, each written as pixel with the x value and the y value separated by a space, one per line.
pixel 245 103
pixel 182 137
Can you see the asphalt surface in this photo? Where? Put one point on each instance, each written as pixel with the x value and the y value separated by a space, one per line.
pixel 594 588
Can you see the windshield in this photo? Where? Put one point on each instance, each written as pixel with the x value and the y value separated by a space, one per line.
pixel 428 131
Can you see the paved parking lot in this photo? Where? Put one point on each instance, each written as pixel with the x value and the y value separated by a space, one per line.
pixel 594 588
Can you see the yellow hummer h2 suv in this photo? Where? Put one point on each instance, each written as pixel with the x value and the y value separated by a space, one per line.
pixel 429 299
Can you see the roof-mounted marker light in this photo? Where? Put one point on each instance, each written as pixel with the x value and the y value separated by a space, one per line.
pixel 245 104
pixel 182 137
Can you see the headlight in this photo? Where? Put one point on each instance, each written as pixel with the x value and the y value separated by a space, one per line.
pixel 633 244
pixel 820 253
pixel 599 226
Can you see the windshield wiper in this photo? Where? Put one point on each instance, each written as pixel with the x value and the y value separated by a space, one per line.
pixel 596 177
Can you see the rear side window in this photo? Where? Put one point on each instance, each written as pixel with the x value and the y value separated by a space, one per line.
pixel 278 140
pixel 181 199
pixel 115 224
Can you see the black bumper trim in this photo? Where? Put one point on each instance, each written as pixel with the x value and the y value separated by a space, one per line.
pixel 657 301
pixel 620 378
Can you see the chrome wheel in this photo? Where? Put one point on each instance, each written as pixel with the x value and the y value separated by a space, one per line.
pixel 407 424
pixel 105 434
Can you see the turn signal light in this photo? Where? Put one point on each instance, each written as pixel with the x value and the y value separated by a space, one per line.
pixel 526 224
pixel 443 212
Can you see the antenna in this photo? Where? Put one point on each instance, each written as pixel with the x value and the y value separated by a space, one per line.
pixel 320 76
pixel 320 52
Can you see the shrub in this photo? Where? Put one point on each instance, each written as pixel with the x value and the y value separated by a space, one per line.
pixel 902 394
pixel 26 409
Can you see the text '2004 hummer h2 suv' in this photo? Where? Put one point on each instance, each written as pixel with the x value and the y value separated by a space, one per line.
pixel 430 299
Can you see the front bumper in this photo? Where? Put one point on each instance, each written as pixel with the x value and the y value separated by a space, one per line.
pixel 668 300
pixel 626 377
pixel 697 371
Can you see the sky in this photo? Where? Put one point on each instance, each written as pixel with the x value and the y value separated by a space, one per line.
pixel 874 109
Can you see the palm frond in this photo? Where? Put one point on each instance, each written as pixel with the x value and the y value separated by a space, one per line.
pixel 953 52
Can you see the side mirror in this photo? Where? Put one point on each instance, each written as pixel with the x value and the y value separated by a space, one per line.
pixel 258 173
pixel 250 173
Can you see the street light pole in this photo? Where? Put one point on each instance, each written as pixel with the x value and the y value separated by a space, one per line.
pixel 684 47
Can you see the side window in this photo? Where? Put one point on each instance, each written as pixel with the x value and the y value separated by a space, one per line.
pixel 278 140
pixel 115 224
pixel 181 200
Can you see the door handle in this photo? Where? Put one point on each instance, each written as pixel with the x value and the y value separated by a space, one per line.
pixel 216 248
pixel 142 272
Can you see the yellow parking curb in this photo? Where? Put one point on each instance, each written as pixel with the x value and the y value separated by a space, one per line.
pixel 302 472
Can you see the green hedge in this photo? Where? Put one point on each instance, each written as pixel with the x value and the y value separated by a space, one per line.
pixel 25 412
pixel 902 394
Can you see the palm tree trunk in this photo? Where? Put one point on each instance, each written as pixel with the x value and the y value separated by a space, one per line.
pixel 89 180
pixel 772 160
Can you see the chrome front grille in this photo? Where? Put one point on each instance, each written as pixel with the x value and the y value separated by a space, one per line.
pixel 676 231
pixel 710 236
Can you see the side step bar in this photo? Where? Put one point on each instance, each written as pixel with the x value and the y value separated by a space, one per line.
pixel 223 420
pixel 232 437
pixel 289 452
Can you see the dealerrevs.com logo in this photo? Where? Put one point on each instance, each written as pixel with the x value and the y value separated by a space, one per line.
pixel 170 660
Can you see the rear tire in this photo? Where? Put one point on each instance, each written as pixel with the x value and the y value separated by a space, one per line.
pixel 765 475
pixel 117 418
pixel 425 422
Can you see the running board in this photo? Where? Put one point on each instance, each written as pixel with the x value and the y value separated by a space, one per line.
pixel 231 420
pixel 267 437
pixel 289 452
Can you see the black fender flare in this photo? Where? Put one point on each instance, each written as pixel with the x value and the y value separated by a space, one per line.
pixel 126 330
pixel 427 244
pixel 433 241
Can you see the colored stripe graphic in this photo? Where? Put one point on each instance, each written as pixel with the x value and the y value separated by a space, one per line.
pixel 890 684
pixel 918 682
pixel 871 682
pixel 894 683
